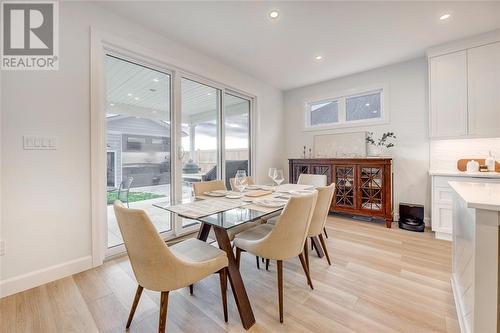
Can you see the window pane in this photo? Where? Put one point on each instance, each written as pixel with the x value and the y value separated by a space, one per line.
pixel 237 132
pixel 324 113
pixel 363 107
pixel 200 106
pixel 138 142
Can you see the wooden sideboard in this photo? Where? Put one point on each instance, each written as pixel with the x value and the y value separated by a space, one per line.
pixel 362 185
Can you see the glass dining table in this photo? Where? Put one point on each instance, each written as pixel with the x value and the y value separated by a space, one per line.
pixel 221 222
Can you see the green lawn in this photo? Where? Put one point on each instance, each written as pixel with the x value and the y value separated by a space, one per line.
pixel 134 196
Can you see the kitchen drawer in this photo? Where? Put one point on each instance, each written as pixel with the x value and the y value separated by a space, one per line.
pixel 443 195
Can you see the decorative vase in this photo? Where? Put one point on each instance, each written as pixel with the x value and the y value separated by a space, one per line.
pixel 374 151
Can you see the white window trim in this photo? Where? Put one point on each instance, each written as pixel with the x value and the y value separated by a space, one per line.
pixel 341 97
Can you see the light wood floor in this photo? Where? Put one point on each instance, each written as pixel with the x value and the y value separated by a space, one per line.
pixel 381 280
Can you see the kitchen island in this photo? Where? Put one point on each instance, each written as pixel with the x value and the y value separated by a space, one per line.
pixel 475 269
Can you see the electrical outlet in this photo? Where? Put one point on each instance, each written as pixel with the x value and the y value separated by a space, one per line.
pixel 2 248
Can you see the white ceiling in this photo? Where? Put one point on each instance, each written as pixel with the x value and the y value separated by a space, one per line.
pixel 352 36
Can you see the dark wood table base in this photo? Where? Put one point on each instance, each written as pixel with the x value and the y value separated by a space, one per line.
pixel 237 286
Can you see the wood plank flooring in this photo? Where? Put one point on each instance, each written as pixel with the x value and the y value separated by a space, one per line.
pixel 381 280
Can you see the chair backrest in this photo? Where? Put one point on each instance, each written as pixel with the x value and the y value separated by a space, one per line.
pixel 325 194
pixel 313 180
pixel 288 236
pixel 200 187
pixel 125 189
pixel 155 266
pixel 232 182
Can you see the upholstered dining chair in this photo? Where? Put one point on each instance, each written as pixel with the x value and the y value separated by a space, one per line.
pixel 163 268
pixel 313 180
pixel 282 241
pixel 318 221
pixel 232 181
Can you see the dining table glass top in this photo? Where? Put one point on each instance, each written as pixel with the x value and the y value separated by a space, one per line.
pixel 234 217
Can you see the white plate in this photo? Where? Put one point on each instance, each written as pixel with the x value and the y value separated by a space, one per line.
pixel 234 196
pixel 215 194
pixel 253 187
pixel 270 203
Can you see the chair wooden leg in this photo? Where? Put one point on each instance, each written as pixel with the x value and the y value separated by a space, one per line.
pixel 191 289
pixel 223 290
pixel 306 270
pixel 323 245
pixel 238 256
pixel 280 288
pixel 324 230
pixel 163 312
pixel 267 264
pixel 258 262
pixel 306 253
pixel 137 297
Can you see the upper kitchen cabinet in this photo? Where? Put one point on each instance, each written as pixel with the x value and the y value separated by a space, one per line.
pixel 484 90
pixel 448 95
pixel 464 88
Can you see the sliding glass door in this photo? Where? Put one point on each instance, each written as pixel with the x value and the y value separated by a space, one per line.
pixel 138 142
pixel 237 135
pixel 199 137
pixel 165 131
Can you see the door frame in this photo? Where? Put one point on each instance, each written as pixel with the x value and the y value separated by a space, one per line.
pixel 101 44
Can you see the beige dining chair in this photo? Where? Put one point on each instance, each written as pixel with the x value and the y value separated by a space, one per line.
pixel 318 221
pixel 313 180
pixel 163 268
pixel 232 182
pixel 282 241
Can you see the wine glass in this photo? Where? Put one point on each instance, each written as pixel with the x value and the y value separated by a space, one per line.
pixel 278 176
pixel 270 173
pixel 241 180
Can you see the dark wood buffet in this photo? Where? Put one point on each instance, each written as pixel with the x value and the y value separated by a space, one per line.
pixel 362 185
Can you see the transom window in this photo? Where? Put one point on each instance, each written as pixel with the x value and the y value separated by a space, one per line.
pixel 364 108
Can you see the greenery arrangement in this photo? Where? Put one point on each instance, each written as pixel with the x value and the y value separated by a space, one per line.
pixel 134 196
pixel 383 141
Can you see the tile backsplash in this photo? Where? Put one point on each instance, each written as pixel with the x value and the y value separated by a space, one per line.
pixel 445 153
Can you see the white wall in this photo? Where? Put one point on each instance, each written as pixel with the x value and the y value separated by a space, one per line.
pixel 408 107
pixel 46 207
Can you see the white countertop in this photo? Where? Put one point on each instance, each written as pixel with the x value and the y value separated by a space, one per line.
pixel 456 173
pixel 479 195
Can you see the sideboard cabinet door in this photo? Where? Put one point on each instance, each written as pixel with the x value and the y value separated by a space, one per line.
pixel 371 189
pixel 345 187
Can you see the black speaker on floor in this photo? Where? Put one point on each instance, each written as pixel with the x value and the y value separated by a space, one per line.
pixel 411 217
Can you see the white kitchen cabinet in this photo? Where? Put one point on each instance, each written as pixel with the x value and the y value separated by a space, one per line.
pixel 484 90
pixel 448 95
pixel 442 201
pixel 464 88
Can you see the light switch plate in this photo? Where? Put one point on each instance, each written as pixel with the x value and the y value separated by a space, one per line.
pixel 31 142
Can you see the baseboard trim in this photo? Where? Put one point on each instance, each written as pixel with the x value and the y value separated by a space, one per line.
pixel 458 305
pixel 45 275
pixel 443 236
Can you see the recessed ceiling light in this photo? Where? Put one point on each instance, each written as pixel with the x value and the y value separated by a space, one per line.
pixel 129 94
pixel 209 94
pixel 367 104
pixel 155 80
pixel 444 17
pixel 136 98
pixel 318 57
pixel 111 104
pixel 273 14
